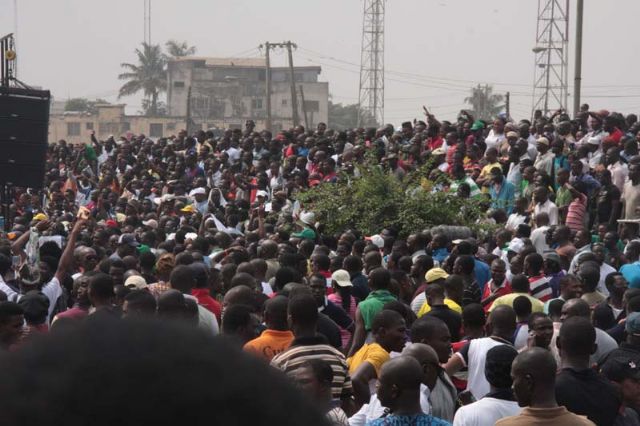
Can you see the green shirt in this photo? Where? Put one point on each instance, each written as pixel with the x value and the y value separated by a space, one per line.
pixel 373 304
pixel 563 197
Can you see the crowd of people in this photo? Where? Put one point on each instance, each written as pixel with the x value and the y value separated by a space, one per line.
pixel 135 242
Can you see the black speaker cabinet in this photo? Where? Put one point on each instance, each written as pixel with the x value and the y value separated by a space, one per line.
pixel 24 131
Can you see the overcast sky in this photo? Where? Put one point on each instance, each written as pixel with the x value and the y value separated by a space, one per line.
pixel 435 49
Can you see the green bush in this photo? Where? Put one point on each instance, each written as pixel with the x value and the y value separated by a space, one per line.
pixel 376 200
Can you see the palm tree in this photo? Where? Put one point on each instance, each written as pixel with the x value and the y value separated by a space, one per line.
pixel 178 49
pixel 149 75
pixel 485 104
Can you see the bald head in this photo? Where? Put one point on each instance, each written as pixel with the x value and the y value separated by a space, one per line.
pixel 404 372
pixel 240 295
pixel 575 308
pixel 534 375
pixel 421 352
pixel 503 321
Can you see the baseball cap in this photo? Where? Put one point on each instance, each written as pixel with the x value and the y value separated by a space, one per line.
pixel 543 141
pixel 188 209
pixel 128 239
pixel 262 193
pixel 151 223
pixel 342 278
pixel 438 151
pixel 136 281
pixel 435 274
pixel 40 216
pixel 111 223
pixel 377 240
pixel 305 233
pixel 620 366
pixel 477 125
pixel 551 255
pixel 632 324
pixel 512 135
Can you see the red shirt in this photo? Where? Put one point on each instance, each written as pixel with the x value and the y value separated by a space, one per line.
pixel 434 143
pixel 205 299
pixel 501 291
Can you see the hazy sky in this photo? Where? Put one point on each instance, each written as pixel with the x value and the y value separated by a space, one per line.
pixel 435 49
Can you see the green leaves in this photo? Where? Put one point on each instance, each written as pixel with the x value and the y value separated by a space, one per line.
pixel 377 200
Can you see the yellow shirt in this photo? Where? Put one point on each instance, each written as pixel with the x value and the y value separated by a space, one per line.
pixel 450 303
pixel 486 170
pixel 372 353
pixel 507 299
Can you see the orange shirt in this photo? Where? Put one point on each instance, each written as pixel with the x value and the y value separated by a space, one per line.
pixel 269 344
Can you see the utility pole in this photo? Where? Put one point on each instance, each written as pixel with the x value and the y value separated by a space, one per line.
pixel 294 97
pixel 577 78
pixel 508 104
pixel 304 109
pixel 268 46
pixel 189 111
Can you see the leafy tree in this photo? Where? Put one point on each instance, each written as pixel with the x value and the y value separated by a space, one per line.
pixel 149 75
pixel 83 105
pixel 484 103
pixel 377 199
pixel 178 49
pixel 346 117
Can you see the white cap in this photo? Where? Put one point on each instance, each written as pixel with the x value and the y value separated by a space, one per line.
pixel 262 193
pixel 377 240
pixel 308 218
pixel 197 191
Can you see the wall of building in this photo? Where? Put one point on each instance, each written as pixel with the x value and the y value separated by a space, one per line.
pixel 227 92
pixel 111 120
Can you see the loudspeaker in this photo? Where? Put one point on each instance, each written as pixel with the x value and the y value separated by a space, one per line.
pixel 24 133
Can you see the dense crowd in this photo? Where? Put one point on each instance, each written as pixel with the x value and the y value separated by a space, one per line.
pixel 117 274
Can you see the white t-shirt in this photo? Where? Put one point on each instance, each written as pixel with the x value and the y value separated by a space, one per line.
pixel 485 412
pixel 494 140
pixel 374 409
pixel 53 291
pixel 477 383
pixel 549 208
pixel 605 270
pixel 538 239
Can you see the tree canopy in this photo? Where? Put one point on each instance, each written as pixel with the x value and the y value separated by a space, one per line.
pixel 484 103
pixel 148 75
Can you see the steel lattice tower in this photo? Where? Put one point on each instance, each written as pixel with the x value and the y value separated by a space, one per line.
pixel 371 97
pixel 550 89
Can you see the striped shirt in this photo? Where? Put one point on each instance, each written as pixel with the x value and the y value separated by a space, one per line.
pixel 575 213
pixel 306 348
pixel 540 288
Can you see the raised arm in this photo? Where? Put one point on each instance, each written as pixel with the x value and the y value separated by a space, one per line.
pixel 66 260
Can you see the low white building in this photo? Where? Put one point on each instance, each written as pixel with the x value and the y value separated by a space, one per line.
pixel 226 91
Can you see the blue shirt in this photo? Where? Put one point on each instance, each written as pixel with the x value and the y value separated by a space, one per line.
pixel 481 273
pixel 504 198
pixel 417 420
pixel 440 254
pixel 631 273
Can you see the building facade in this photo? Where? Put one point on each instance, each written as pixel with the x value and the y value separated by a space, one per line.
pixel 76 127
pixel 225 92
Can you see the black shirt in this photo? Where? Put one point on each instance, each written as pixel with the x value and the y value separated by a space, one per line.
pixel 588 393
pixel 450 317
pixel 337 315
pixel 330 330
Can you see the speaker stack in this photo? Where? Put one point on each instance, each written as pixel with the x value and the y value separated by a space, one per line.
pixel 24 130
